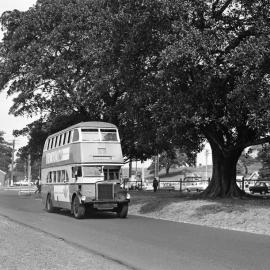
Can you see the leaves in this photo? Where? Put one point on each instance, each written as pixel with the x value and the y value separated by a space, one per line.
pixel 5 153
pixel 167 73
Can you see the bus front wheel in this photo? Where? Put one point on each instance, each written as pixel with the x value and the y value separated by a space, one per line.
pixel 78 208
pixel 122 210
pixel 49 204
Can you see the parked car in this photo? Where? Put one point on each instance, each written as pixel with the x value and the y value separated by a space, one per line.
pixel 259 187
pixel 147 186
pixel 195 186
pixel 167 186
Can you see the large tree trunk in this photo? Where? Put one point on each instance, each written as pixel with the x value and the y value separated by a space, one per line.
pixel 168 169
pixel 223 182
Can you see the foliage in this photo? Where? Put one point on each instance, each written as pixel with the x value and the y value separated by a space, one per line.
pixel 87 58
pixel 5 153
pixel 245 160
pixel 168 73
pixel 172 159
pixel 264 157
pixel 216 65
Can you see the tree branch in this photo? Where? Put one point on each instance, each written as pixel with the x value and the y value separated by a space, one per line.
pixel 235 42
pixel 257 142
pixel 219 12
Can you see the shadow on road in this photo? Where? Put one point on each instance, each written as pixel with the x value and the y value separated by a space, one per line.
pixel 90 214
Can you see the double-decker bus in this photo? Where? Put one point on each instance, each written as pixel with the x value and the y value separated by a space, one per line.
pixel 81 169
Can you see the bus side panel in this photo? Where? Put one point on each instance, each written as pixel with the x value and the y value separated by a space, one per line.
pixel 89 190
pixel 61 193
pixel 61 156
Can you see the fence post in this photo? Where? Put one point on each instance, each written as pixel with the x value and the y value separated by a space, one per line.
pixel 243 183
pixel 180 190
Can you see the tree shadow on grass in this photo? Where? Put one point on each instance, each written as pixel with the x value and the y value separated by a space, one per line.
pixel 154 202
pixel 218 207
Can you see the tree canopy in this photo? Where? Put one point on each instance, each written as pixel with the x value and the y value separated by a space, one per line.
pixel 168 73
pixel 5 153
pixel 217 65
pixel 171 159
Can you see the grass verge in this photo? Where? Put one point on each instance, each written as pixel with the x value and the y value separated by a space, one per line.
pixel 249 214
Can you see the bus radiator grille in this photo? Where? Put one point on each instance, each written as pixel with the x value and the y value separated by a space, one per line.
pixel 105 192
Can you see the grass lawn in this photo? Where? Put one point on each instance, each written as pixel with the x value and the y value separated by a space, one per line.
pixel 250 215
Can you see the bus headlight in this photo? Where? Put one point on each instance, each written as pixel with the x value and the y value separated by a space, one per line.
pixel 128 196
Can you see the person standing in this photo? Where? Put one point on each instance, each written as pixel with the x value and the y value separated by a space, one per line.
pixel 155 184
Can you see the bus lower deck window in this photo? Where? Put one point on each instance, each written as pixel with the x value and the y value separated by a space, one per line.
pixel 76 171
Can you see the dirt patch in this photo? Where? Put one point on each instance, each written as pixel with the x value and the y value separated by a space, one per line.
pixel 250 215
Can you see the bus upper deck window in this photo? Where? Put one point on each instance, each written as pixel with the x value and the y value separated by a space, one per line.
pixel 64 138
pixel 60 140
pixel 90 135
pixel 69 137
pixel 75 135
pixel 48 144
pixel 56 140
pixel 108 135
pixel 52 140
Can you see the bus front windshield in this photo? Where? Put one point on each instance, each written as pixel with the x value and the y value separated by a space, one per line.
pixel 92 171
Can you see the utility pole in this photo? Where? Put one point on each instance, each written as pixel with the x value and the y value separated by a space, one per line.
pixel 12 164
pixel 29 169
pixel 142 171
pixel 158 166
pixel 155 163
pixel 130 168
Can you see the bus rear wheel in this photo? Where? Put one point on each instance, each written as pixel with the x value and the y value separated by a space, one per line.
pixel 122 210
pixel 49 204
pixel 78 208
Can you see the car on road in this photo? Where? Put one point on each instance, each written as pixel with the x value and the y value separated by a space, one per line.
pixel 259 187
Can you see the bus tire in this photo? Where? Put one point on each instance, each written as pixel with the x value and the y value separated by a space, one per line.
pixel 49 204
pixel 78 208
pixel 122 210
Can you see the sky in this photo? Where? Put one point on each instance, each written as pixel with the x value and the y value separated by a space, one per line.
pixel 8 122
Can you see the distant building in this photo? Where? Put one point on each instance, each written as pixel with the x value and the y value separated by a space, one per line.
pixel 139 170
pixel 2 178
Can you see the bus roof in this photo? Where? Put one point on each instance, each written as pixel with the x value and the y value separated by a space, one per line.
pixel 90 124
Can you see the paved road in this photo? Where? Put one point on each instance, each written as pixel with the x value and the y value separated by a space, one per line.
pixel 144 243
